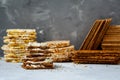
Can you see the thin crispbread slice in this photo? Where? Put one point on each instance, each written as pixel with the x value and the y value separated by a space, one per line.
pixel 101 34
pixel 93 40
pixel 89 35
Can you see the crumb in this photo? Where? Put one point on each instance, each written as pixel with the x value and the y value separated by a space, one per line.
pixel 85 66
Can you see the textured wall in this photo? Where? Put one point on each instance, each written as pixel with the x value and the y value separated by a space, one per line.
pixel 56 19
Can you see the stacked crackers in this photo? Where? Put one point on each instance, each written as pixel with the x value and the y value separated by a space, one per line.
pixel 111 40
pixel 61 50
pixel 16 42
pixel 89 51
pixel 42 55
pixel 96 57
pixel 37 57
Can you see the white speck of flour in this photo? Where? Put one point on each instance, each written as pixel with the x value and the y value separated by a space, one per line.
pixel 41 31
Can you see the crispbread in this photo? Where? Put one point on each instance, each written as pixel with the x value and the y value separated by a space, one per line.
pixel 61 57
pixel 63 49
pixel 45 64
pixel 95 36
pixel 50 44
pixel 96 56
pixel 16 43
pixel 111 40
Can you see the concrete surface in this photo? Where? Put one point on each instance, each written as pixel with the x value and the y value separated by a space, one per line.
pixel 62 71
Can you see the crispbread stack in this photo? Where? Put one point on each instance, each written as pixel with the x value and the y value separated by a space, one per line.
pixel 16 42
pixel 111 40
pixel 37 57
pixel 53 51
pixel 61 50
pixel 63 54
pixel 90 50
pixel 96 57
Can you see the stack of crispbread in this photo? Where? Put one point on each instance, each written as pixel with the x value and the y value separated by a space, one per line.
pixel 96 57
pixel 42 55
pixel 90 50
pixel 16 42
pixel 62 54
pixel 61 50
pixel 111 40
pixel 37 57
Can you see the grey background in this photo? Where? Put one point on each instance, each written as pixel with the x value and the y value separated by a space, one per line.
pixel 56 19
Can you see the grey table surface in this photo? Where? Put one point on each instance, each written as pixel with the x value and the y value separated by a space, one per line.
pixel 62 71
